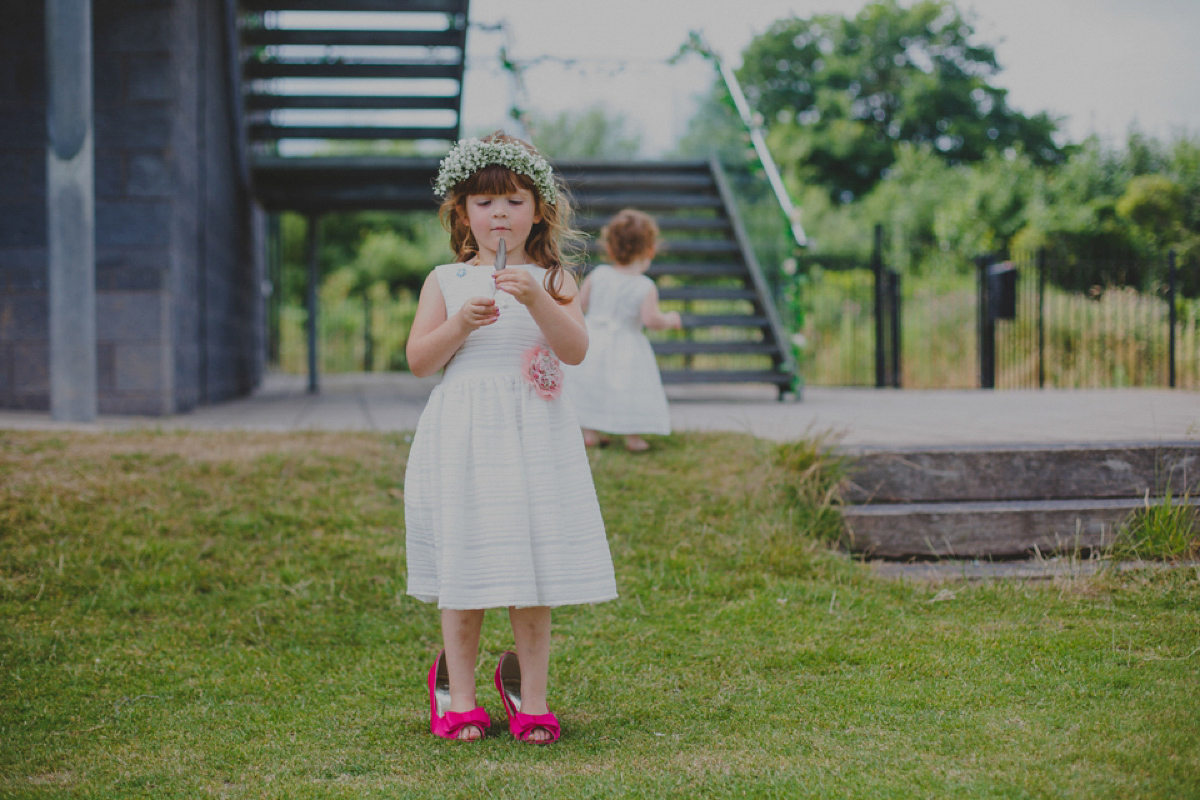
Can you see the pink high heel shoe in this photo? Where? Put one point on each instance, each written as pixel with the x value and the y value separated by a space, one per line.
pixel 508 683
pixel 443 722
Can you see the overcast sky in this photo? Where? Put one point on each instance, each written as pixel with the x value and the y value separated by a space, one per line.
pixel 1103 65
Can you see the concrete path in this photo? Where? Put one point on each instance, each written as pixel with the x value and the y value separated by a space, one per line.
pixel 861 418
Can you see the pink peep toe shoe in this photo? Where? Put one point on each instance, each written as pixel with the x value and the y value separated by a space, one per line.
pixel 443 722
pixel 508 683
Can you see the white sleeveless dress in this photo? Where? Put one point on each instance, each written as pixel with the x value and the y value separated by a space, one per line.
pixel 499 504
pixel 617 388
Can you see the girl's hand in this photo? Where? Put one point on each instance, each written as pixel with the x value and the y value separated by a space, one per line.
pixel 674 320
pixel 478 312
pixel 520 284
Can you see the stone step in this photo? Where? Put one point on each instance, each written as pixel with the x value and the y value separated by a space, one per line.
pixel 1011 529
pixel 1024 473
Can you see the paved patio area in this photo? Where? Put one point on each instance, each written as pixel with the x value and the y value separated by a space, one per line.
pixel 862 418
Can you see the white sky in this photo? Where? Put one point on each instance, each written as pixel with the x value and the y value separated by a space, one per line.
pixel 1102 64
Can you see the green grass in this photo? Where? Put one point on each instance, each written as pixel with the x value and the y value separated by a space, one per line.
pixel 1166 529
pixel 223 615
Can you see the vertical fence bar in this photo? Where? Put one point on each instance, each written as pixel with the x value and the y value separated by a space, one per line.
pixel 986 326
pixel 314 277
pixel 894 302
pixel 368 334
pixel 1171 278
pixel 880 327
pixel 275 276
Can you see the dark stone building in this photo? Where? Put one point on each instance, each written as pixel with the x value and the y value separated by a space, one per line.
pixel 179 276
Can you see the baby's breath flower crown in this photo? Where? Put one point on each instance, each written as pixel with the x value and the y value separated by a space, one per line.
pixel 471 155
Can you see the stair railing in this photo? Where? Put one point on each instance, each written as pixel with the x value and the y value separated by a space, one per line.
pixel 760 148
pixel 787 360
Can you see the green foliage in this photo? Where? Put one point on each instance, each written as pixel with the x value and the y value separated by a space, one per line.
pixel 345 345
pixel 1101 222
pixel 594 133
pixel 396 248
pixel 844 92
pixel 1167 529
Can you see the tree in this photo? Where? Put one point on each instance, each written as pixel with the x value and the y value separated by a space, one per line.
pixel 593 133
pixel 841 94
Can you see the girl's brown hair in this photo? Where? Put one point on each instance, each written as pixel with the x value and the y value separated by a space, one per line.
pixel 552 243
pixel 629 235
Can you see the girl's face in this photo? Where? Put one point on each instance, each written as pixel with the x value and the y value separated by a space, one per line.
pixel 510 217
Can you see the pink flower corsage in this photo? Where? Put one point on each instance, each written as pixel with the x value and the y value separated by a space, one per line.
pixel 543 371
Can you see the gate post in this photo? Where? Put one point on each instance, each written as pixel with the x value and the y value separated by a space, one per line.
pixel 894 308
pixel 1171 280
pixel 880 317
pixel 314 279
pixel 986 326
pixel 1041 312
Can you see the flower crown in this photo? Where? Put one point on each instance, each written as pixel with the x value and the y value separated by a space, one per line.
pixel 471 155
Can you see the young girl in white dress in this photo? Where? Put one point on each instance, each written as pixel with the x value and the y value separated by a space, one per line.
pixel 618 389
pixel 500 508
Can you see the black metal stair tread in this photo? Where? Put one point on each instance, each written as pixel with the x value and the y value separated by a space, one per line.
pixel 687 182
pixel 725 321
pixel 679 248
pixel 260 132
pixel 665 223
pixel 692 246
pixel 262 37
pixel 263 102
pixel 683 347
pixel 722 270
pixel 303 167
pixel 571 168
pixel 647 200
pixel 726 376
pixel 706 293
pixel 255 70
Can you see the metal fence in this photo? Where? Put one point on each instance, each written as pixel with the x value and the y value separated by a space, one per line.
pixel 1008 326
pixel 1107 337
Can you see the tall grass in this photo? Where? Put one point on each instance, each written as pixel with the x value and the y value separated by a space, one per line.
pixel 1164 529
pixel 342 332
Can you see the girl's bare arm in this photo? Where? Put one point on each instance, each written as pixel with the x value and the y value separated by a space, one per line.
pixel 562 325
pixel 585 293
pixel 655 318
pixel 434 337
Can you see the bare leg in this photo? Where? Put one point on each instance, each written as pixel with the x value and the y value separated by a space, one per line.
pixel 531 632
pixel 636 444
pixel 460 636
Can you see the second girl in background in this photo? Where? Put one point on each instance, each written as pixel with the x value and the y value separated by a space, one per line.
pixel 617 389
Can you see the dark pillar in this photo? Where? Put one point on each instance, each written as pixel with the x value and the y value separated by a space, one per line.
pixel 71 210
pixel 314 281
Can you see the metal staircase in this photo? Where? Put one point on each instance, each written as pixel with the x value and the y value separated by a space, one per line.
pixel 397 76
pixel 313 72
pixel 706 268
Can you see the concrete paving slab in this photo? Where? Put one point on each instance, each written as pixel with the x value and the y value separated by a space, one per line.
pixel 859 419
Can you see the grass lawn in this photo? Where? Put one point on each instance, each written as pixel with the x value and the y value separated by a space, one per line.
pixel 223 615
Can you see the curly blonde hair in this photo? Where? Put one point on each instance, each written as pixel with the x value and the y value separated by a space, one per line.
pixel 553 243
pixel 629 235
